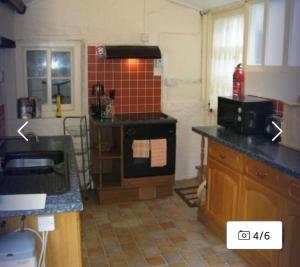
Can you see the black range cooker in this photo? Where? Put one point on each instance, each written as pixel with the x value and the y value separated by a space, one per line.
pixel 147 126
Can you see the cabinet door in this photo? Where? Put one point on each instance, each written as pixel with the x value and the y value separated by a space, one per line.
pixel 258 203
pixel 222 198
pixel 290 255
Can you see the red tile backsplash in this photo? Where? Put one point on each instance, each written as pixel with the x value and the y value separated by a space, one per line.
pixel 2 121
pixel 137 89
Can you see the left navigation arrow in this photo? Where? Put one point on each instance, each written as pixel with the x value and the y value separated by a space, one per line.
pixel 20 133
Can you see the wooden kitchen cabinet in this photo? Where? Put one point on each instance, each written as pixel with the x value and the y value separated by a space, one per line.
pixel 241 188
pixel 223 184
pixel 289 255
pixel 258 203
pixel 106 156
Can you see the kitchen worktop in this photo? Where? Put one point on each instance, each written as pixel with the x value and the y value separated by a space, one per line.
pixel 134 118
pixel 258 147
pixel 67 202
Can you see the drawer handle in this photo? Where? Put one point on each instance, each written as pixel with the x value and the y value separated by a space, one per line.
pixel 222 156
pixel 260 175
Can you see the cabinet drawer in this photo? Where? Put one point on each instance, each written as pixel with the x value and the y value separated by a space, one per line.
pixel 263 173
pixel 225 155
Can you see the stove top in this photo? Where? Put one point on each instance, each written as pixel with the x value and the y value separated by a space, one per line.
pixel 141 116
pixel 128 118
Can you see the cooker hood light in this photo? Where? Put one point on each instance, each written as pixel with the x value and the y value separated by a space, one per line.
pixel 129 51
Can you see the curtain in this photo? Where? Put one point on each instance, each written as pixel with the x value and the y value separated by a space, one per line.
pixel 226 53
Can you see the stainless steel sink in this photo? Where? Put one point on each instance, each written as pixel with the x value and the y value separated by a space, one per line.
pixel 29 163
pixel 34 172
pixel 32 162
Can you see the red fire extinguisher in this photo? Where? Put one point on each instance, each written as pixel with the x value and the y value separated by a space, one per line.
pixel 238 81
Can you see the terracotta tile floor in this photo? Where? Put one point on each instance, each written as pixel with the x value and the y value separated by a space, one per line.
pixel 162 232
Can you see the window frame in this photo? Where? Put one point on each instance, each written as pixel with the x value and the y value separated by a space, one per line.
pixel 284 67
pixel 74 47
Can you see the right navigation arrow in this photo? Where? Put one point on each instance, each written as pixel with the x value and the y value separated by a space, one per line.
pixel 280 131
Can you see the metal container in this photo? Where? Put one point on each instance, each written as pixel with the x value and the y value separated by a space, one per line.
pixel 27 108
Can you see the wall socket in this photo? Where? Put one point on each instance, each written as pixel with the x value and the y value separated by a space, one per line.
pixel 46 223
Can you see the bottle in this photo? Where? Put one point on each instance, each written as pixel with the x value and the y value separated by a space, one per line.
pixel 58 112
pixel 238 82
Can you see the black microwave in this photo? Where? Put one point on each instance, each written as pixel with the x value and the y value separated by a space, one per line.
pixel 245 115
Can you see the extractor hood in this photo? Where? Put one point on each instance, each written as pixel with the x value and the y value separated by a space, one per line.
pixel 6 43
pixel 129 51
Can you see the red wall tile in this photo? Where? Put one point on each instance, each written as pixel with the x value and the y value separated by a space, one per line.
pixel 137 89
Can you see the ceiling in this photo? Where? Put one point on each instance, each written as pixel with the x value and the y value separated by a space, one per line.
pixel 204 4
pixel 196 4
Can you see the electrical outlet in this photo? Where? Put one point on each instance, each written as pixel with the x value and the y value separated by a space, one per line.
pixel 46 223
pixel 170 82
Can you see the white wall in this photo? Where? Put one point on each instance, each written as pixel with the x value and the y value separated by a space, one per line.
pixel 6 22
pixel 7 59
pixel 174 28
pixel 284 86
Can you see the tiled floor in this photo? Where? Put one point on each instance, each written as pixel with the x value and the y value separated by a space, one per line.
pixel 163 232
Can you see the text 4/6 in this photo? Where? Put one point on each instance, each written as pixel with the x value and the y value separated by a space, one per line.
pixel 262 235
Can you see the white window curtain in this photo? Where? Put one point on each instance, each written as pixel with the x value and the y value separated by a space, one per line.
pixel 226 52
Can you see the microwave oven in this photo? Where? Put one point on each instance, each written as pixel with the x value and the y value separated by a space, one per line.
pixel 244 115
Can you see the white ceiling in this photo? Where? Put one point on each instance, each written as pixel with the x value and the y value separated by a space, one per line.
pixel 204 4
pixel 196 4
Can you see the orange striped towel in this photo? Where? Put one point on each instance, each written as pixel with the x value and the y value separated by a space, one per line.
pixel 158 152
pixel 141 149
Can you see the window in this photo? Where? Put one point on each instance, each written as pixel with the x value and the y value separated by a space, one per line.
pixel 49 70
pixel 49 74
pixel 273 33
pixel 294 42
pixel 227 52
pixel 256 34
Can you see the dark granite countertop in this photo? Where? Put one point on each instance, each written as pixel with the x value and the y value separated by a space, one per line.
pixel 258 147
pixel 67 202
pixel 134 118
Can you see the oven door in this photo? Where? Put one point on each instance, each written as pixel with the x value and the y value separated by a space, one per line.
pixel 141 167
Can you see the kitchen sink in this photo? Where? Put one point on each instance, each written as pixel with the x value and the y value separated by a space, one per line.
pixel 32 172
pixel 29 163
pixel 32 162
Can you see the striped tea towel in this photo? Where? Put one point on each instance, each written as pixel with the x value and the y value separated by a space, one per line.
pixel 158 152
pixel 140 149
